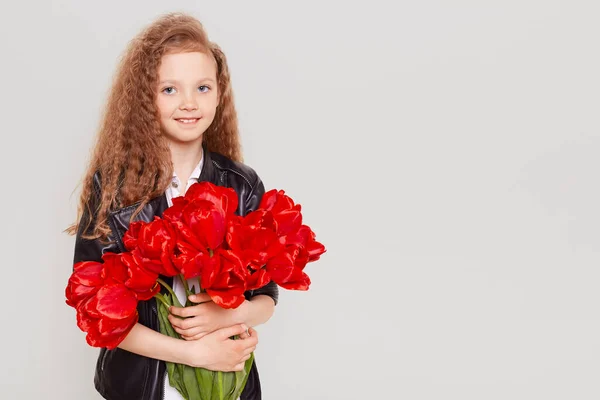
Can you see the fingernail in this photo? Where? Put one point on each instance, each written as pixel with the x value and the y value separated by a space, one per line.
pixel 244 327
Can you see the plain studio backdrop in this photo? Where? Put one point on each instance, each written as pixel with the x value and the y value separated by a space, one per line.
pixel 445 152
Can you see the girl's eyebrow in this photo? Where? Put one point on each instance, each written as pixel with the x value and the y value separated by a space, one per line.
pixel 177 82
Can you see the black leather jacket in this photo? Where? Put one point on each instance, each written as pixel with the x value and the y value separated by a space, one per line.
pixel 122 375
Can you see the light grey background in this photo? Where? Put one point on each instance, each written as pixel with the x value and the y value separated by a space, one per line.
pixel 446 152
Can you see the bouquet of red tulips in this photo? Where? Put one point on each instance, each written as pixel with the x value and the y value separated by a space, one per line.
pixel 198 236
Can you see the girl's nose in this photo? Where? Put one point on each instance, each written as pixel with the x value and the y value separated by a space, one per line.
pixel 188 106
pixel 188 103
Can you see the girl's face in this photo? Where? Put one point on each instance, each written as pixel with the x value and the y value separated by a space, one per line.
pixel 187 95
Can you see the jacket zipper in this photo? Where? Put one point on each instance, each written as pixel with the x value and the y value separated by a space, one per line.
pixel 155 312
pixel 103 359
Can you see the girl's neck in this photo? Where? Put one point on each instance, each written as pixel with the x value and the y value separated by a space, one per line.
pixel 185 157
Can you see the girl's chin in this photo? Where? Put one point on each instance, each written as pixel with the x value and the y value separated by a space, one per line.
pixel 184 139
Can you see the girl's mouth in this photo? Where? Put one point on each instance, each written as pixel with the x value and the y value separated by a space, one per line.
pixel 187 121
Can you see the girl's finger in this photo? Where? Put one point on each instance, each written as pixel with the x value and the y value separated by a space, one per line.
pixel 244 335
pixel 200 298
pixel 198 336
pixel 239 367
pixel 189 332
pixel 184 312
pixel 175 322
pixel 250 333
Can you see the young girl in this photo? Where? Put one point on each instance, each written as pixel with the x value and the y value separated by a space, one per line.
pixel 170 121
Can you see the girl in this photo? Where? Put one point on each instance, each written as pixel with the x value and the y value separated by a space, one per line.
pixel 170 121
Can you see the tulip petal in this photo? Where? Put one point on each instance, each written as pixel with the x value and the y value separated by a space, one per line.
pixel 131 236
pixel 147 295
pixel 114 269
pixel 138 278
pixel 206 221
pixel 116 301
pixel 110 333
pixel 226 299
pixel 258 279
pixel 298 281
pixel 77 293
pixel 220 196
pixel 224 278
pixel 88 273
pixel 288 221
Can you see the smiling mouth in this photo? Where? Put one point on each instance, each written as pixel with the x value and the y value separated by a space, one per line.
pixel 187 120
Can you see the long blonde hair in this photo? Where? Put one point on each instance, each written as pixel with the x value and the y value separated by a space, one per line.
pixel 131 154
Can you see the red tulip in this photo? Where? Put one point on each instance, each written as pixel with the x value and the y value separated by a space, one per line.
pixel 131 236
pixel 207 222
pixel 84 282
pixel 154 247
pixel 286 269
pixel 188 259
pixel 126 269
pixel 174 215
pixel 223 197
pixel 224 278
pixel 116 301
pixel 287 215
pixel 139 279
pixel 199 235
pixel 254 238
pixel 305 237
pixel 103 331
pixel 257 279
pixel 200 223
pixel 114 271
pixel 110 333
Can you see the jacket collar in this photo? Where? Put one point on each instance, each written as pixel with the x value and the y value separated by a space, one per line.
pixel 208 172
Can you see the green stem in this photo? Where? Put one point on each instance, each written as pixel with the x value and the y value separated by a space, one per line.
pixel 166 286
pixel 220 386
pixel 184 282
pixel 170 290
pixel 162 299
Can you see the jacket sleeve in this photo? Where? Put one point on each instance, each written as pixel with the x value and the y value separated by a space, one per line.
pixel 91 250
pixel 252 202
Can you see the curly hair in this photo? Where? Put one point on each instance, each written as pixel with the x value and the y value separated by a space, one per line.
pixel 131 154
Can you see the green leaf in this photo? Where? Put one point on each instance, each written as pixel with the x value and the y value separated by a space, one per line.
pixel 205 379
pixel 175 379
pixel 242 377
pixel 191 383
pixel 165 326
pixel 174 370
pixel 200 383
pixel 228 384
pixel 220 385
pixel 215 387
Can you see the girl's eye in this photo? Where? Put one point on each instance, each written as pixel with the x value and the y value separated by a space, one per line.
pixel 171 90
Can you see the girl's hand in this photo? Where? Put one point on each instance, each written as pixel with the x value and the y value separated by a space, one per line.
pixel 201 319
pixel 217 352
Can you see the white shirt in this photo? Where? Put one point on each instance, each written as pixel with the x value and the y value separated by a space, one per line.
pixel 174 191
